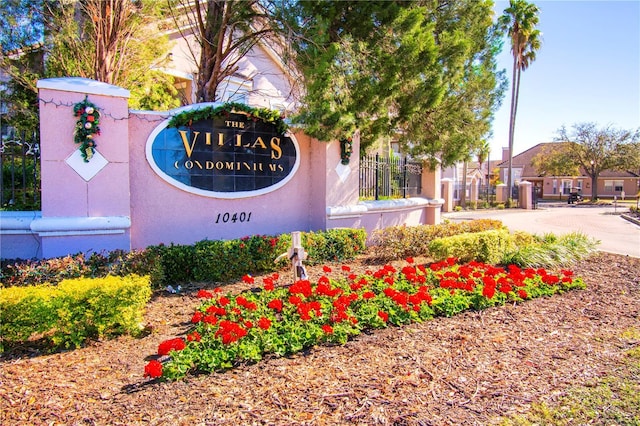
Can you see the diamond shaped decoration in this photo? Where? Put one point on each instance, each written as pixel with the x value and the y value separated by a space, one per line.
pixel 86 170
pixel 343 171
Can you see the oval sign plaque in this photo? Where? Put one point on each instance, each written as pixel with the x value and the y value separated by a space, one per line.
pixel 232 155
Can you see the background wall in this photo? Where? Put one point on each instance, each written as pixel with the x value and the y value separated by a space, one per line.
pixel 117 201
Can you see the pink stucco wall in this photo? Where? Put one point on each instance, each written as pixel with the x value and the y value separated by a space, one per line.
pixel 126 205
pixel 163 213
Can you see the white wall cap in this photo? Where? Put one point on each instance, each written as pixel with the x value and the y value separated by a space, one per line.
pixel 17 220
pixel 83 85
pixel 57 224
pixel 356 209
pixel 400 203
pixel 365 207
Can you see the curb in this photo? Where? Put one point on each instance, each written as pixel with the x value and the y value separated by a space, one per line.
pixel 631 219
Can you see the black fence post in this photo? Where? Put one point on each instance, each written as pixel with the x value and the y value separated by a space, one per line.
pixel 375 191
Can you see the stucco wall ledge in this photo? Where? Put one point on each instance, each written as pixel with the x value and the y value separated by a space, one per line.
pixel 60 226
pixel 401 204
pixel 364 207
pixel 18 222
pixel 343 212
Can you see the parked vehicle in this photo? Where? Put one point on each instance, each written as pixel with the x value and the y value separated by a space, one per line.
pixel 574 197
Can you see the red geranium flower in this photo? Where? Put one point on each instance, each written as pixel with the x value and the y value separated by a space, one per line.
pixel 167 346
pixel 197 317
pixel 264 323
pixel 326 269
pixel 327 329
pixel 489 291
pixel 204 294
pixel 248 279
pixel 194 337
pixel 268 284
pixel 153 369
pixel 275 304
pixel 383 315
pixel 522 294
pixel 210 319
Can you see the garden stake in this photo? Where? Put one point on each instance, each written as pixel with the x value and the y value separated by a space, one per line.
pixel 296 255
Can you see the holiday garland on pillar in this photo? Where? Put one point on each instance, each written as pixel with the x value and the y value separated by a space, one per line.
pixel 86 127
pixel 346 148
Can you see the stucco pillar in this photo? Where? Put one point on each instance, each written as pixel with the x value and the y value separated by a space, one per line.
pixel 525 198
pixel 447 194
pixel 86 205
pixel 501 193
pixel 431 189
pixel 474 191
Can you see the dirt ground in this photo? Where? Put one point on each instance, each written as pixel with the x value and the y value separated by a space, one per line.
pixel 466 370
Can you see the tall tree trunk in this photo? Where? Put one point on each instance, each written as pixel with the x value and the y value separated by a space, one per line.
pixel 463 194
pixel 512 122
pixel 212 28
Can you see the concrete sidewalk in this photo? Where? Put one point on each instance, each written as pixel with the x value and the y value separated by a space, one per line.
pixel 616 235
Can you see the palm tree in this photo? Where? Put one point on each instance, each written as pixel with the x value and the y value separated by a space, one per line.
pixel 519 20
pixel 482 154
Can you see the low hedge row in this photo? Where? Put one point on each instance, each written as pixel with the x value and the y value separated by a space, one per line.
pixel 207 260
pixel 67 314
pixel 399 242
pixel 487 246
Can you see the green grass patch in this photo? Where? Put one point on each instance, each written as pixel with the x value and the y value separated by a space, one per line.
pixel 610 400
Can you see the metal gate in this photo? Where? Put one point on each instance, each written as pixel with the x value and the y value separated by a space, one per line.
pixel 382 177
pixel 20 179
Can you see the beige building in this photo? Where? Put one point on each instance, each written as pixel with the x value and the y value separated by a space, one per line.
pixel 610 183
pixel 261 80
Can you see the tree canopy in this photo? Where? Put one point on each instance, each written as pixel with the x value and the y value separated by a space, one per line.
pixel 225 31
pixel 554 160
pixel 595 149
pixel 113 41
pixel 423 73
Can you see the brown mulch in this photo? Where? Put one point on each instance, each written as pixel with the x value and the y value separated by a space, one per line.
pixel 465 370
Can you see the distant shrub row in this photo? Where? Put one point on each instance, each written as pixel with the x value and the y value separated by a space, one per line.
pixel 484 240
pixel 206 261
pixel 398 242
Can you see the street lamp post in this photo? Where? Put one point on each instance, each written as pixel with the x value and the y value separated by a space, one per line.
pixel 594 182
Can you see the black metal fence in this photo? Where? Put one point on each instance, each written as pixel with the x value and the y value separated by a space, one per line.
pixel 20 178
pixel 20 185
pixel 382 177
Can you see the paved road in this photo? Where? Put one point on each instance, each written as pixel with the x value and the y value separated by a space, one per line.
pixel 616 235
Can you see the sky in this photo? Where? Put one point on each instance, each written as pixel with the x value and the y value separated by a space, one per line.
pixel 587 70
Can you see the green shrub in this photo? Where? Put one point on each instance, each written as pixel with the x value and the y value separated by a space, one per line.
pixel 217 260
pixel 487 246
pixel 54 270
pixel 334 245
pixel 397 242
pixel 207 260
pixel 44 271
pixel 73 311
pixel 550 250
